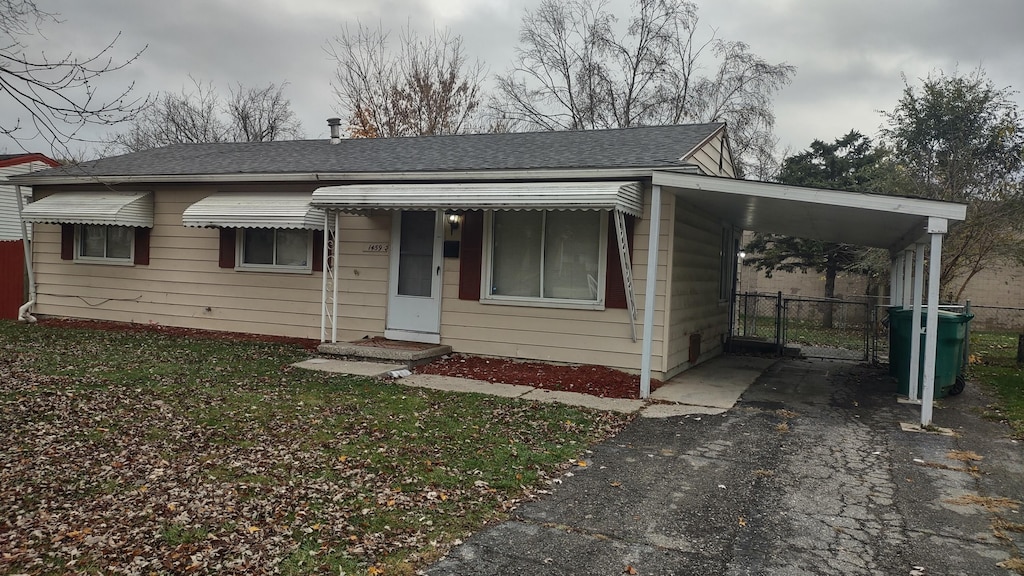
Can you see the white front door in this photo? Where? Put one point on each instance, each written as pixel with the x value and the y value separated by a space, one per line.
pixel 414 285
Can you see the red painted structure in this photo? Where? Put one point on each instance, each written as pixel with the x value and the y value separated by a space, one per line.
pixel 12 278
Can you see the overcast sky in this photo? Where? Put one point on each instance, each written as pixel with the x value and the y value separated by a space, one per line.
pixel 849 54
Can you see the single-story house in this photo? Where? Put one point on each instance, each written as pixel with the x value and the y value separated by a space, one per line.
pixel 537 246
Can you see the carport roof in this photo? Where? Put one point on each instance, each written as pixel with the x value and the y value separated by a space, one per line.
pixel 891 222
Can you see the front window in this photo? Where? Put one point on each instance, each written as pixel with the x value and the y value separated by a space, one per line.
pixel 276 249
pixel 553 256
pixel 104 243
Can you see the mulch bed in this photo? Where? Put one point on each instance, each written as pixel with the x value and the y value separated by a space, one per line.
pixel 588 379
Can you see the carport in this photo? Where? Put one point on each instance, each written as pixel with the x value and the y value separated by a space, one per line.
pixel 906 227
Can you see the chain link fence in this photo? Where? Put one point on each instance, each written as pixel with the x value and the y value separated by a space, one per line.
pixel 818 327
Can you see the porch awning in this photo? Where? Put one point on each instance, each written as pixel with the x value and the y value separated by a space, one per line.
pixel 625 197
pixel 101 208
pixel 230 210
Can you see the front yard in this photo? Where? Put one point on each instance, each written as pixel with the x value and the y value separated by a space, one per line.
pixel 145 452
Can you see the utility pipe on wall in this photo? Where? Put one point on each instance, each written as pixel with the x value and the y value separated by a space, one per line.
pixel 24 312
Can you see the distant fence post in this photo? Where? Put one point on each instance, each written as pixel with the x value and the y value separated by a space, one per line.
pixel 967 336
pixel 1020 349
pixel 778 323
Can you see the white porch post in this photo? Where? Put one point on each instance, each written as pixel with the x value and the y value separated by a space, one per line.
pixel 936 228
pixel 331 258
pixel 915 323
pixel 651 281
pixel 325 285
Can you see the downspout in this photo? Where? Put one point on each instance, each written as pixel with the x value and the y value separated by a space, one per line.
pixel 24 314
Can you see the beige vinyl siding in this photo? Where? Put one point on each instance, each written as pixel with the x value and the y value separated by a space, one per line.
pixel 10 225
pixel 184 286
pixel 694 303
pixel 712 154
pixel 558 334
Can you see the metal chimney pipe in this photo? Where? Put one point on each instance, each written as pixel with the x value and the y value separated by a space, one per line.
pixel 335 124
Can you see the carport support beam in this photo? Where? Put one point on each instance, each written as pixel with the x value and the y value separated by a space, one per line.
pixel 908 264
pixel 915 324
pixel 650 285
pixel 895 287
pixel 937 228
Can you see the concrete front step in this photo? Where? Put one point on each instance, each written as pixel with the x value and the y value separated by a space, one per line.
pixel 408 353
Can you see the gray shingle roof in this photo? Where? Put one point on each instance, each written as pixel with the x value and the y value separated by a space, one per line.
pixel 639 147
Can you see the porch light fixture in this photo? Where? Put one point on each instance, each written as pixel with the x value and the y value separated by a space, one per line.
pixel 454 220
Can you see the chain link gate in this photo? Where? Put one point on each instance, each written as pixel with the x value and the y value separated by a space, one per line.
pixel 818 327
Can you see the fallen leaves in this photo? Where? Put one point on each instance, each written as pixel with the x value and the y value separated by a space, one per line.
pixel 129 454
pixel 991 503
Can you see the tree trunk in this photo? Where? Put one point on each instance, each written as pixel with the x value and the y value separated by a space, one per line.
pixel 830 292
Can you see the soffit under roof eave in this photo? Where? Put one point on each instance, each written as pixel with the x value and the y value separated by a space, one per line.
pixel 830 215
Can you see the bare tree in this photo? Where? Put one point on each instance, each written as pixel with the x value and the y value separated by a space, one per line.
pixel 262 114
pixel 254 114
pixel 576 69
pixel 55 98
pixel 429 86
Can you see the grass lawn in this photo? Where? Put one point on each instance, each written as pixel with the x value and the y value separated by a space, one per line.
pixel 143 452
pixel 993 364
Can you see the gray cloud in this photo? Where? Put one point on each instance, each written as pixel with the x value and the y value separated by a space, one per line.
pixel 849 54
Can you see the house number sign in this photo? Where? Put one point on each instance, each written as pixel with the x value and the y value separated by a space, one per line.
pixel 377 248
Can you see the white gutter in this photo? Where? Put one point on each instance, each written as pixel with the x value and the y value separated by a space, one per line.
pixel 481 175
pixel 24 314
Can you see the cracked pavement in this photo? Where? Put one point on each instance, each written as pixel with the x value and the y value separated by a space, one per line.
pixel 809 474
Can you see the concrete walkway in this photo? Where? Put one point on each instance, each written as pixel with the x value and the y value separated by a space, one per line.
pixel 809 474
pixel 710 388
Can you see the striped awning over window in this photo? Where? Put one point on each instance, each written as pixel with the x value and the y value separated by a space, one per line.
pixel 102 208
pixel 626 197
pixel 230 210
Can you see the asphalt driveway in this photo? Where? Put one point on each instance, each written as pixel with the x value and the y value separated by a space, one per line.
pixel 809 473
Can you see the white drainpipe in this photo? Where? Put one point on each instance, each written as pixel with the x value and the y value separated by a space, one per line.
pixel 24 312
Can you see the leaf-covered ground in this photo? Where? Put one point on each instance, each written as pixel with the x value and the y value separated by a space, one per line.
pixel 142 453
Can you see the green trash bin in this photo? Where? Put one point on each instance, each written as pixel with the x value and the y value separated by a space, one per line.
pixel 949 350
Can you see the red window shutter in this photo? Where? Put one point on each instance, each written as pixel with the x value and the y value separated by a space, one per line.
pixel 67 241
pixel 142 246
pixel 227 248
pixel 614 291
pixel 318 251
pixel 471 255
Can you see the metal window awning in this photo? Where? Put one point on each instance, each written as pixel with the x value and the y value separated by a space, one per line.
pixel 100 208
pixel 230 210
pixel 625 197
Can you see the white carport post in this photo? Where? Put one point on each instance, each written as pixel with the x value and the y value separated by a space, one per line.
pixel 908 272
pixel 896 280
pixel 936 228
pixel 651 281
pixel 915 324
